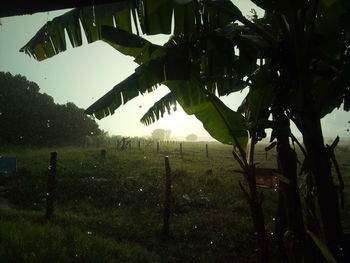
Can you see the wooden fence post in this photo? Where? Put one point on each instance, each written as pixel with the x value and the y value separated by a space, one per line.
pixel 206 150
pixel 139 144
pixel 181 149
pixel 157 147
pixel 167 197
pixel 51 185
pixel 103 154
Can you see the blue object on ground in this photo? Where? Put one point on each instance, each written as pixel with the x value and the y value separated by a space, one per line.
pixel 8 165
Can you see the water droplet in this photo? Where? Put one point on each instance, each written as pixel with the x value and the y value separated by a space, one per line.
pixel 195 227
pixel 89 233
pixel 140 189
pixel 47 194
pixel 92 177
pixel 271 233
pixel 49 168
pixel 48 123
pixel 21 137
pixel 92 133
pixel 273 219
pixel 144 157
pixel 211 242
pixel 34 203
pixel 119 204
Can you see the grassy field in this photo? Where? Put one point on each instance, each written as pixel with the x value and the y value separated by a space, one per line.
pixel 112 210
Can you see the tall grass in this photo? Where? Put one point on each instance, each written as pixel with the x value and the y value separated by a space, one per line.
pixel 119 200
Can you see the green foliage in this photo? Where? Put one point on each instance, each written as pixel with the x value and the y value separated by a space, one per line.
pixel 29 117
pixel 221 122
pixel 323 247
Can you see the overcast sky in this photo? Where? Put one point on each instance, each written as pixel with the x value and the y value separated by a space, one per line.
pixel 84 74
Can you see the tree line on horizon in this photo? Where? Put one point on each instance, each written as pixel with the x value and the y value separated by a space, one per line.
pixel 28 117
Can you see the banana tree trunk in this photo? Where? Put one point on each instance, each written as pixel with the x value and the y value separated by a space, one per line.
pixel 255 205
pixel 320 168
pixel 294 237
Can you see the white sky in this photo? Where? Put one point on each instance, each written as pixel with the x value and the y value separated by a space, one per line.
pixel 84 74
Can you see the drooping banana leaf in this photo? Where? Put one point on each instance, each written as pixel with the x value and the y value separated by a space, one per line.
pixel 166 103
pixel 130 44
pixel 50 39
pixel 154 16
pixel 146 78
pixel 222 123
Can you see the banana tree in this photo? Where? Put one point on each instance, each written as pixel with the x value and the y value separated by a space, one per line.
pixel 171 65
pixel 303 82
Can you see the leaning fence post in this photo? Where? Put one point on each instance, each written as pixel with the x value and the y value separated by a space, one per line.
pixel 167 198
pixel 206 150
pixel 51 185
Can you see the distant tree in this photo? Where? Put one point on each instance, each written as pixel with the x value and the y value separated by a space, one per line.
pixel 158 134
pixel 29 117
pixel 167 135
pixel 191 137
